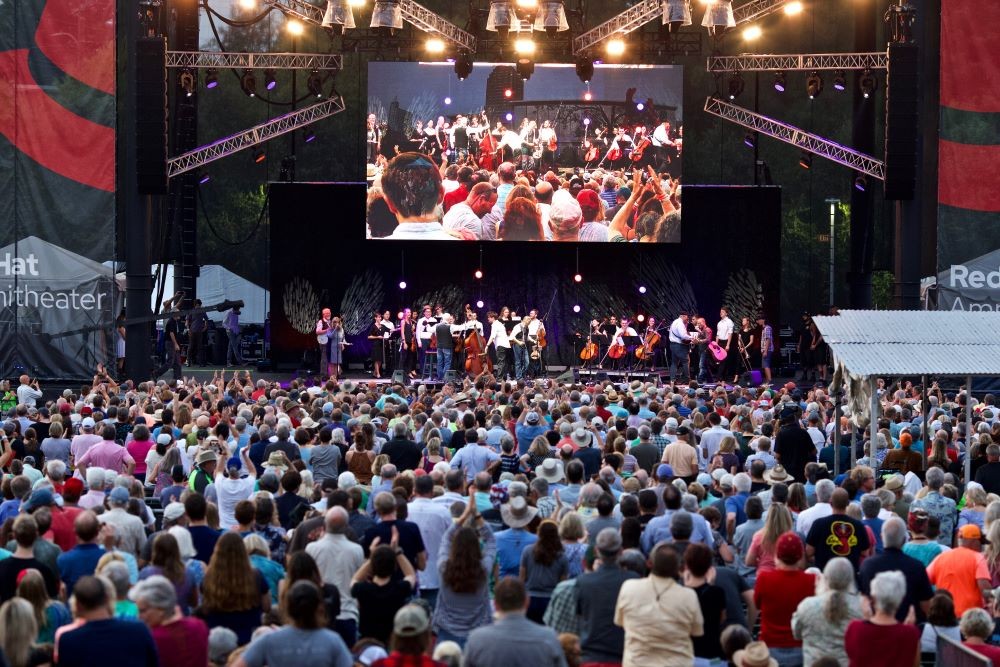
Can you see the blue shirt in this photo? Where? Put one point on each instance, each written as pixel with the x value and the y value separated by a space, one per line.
pixel 735 504
pixel 525 434
pixel 122 643
pixel 510 544
pixel 658 530
pixel 204 539
pixel 80 561
pixel 9 509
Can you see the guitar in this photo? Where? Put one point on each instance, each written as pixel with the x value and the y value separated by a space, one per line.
pixel 717 351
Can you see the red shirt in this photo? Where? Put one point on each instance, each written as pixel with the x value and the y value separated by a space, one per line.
pixel 397 659
pixel 63 533
pixel 456 196
pixel 777 594
pixel 181 643
pixel 991 652
pixel 881 645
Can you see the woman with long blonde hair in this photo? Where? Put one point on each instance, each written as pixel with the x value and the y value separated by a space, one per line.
pixel 762 546
pixel 233 593
pixel 18 629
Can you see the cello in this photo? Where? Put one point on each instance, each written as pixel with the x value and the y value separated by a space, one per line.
pixel 475 350
pixel 617 349
pixel 649 341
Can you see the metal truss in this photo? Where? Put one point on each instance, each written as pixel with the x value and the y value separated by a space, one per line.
pixel 631 19
pixel 877 60
pixel 790 134
pixel 225 60
pixel 757 9
pixel 413 13
pixel 257 134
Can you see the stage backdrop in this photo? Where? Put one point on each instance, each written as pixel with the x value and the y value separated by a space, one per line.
pixel 729 254
pixel 57 184
pixel 969 171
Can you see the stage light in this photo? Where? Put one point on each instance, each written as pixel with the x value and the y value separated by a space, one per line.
pixel 478 274
pixel 584 69
pixel 308 136
pixel 315 83
pixel 793 8
pixel 356 3
pixel 736 85
pixel 295 28
pixel 259 156
pixel 248 82
pixel 188 82
pixel 587 96
pixel 338 13
pixel 861 183
pixel 525 67
pixel 434 45
pixel 578 278
pixel 479 304
pixel 203 177
pixel 779 82
pixel 248 5
pixel 447 100
pixel 749 140
pixel 269 81
pixel 718 17
pixel 576 308
pixel 501 18
pixel 640 317
pixel 868 83
pixel 509 116
pixel 524 46
pixel 814 84
pixel 387 14
pixel 615 47
pixel 402 284
pixel 527 4
pixel 211 78
pixel 840 81
pixel 752 33
pixel 586 121
pixel 508 93
pixel 551 17
pixel 676 13
pixel 642 289
pixel 806 160
pixel 640 106
pixel 463 65
pixel 399 315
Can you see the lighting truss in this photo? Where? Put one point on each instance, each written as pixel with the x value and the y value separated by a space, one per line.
pixel 878 60
pixel 225 60
pixel 790 134
pixel 254 136
pixel 413 13
pixel 757 9
pixel 631 19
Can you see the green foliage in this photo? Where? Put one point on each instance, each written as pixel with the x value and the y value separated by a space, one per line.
pixel 883 284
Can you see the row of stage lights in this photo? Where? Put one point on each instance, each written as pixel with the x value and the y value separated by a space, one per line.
pixel 814 84
pixel 188 81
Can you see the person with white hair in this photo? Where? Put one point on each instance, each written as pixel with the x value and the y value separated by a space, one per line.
pixel 822 508
pixel 882 640
pixel 938 505
pixel 820 621
pixel 892 558
pixel 977 628
pixel 181 640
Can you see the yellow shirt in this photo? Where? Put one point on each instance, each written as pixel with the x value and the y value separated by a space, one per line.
pixel 682 457
pixel 659 617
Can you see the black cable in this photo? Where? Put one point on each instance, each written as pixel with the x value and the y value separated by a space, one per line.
pixel 235 23
pixel 215 233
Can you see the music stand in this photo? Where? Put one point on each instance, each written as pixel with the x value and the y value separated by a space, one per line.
pixel 631 343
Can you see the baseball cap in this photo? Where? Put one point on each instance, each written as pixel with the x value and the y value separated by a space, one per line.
pixel 173 511
pixel 664 470
pixel 789 548
pixel 411 620
pixel 532 418
pixel 164 439
pixel 118 496
pixel 970 531
pixel 88 422
pixel 39 498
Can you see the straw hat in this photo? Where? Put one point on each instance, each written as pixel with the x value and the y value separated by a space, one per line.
pixel 517 513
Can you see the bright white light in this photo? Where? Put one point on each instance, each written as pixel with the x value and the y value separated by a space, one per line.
pixel 524 46
pixel 640 317
pixel 447 100
pixel 434 45
pixel 248 5
pixel 642 289
pixel 640 106
pixel 576 308
pixel 615 47
pixel 402 284
pixel 509 116
pixel 793 8
pixel 587 96
pixel 357 3
pixel 478 274
pixel 578 278
pixel 479 304
pixel 586 121
pixel 527 4
pixel 295 27
pixel 752 33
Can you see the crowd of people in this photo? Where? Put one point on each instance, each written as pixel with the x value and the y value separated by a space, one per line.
pixel 243 522
pixel 414 198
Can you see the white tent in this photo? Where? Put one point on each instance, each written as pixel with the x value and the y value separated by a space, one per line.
pixel 217 284
pixel 973 285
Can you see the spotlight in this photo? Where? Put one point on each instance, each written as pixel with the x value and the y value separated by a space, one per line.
pixel 447 100
pixel 356 3
pixel 676 13
pixel 402 284
pixel 735 85
pixel 338 13
pixel 463 65
pixel 508 93
pixel 793 8
pixel 527 4
pixel 749 140
pixel 478 274
pixel 587 96
pixel 315 83
pixel 642 289
pixel 211 78
pixel 868 83
pixel 805 160
pixel 501 17
pixel 308 136
pixel 269 80
pixel 524 46
pixel 586 121
pixel 259 156
pixel 248 82
pixel 387 14
pixel 578 278
pixel 861 183
pixel 525 67
pixel 752 33
pixel 203 177
pixel 840 81
pixel 576 308
pixel 188 82
pixel 434 45
pixel 718 17
pixel 479 304
pixel 640 106
pixel 295 28
pixel 585 69
pixel 615 47
pixel 640 317
pixel 248 5
pixel 551 17
pixel 779 82
pixel 814 84
pixel 399 315
pixel 509 116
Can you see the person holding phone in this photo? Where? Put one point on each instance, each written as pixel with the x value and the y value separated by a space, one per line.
pixel 28 392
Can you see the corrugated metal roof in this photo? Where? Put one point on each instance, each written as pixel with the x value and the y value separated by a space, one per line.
pixel 912 342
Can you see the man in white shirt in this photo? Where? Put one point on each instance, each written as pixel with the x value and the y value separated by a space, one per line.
pixel 425 330
pixel 337 559
pixel 822 508
pixel 712 437
pixel 662 142
pixel 28 392
pixel 724 337
pixel 466 218
pixel 501 343
pixel 433 519
pixel 230 488
pixel 680 341
pixel 406 174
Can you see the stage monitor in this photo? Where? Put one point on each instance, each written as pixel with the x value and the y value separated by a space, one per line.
pixel 562 156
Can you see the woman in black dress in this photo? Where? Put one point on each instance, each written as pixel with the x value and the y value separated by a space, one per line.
pixel 744 339
pixel 377 336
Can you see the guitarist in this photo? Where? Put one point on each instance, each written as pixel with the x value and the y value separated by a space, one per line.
pixel 549 143
pixel 705 358
pixel 323 329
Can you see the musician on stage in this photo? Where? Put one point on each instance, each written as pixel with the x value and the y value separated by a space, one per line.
pixel 407 344
pixel 518 339
pixel 621 147
pixel 599 337
pixel 425 330
pixel 373 134
pixel 650 334
pixel 680 345
pixel 501 344
pixel 724 337
pixel 663 142
pixel 536 330
pixel 444 331
pixel 548 141
pixel 379 335
pixel 323 329
pixel 745 339
pixel 705 358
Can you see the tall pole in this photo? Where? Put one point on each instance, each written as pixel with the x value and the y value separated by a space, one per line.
pixel 833 201
pixel 968 429
pixel 863 139
pixel 873 426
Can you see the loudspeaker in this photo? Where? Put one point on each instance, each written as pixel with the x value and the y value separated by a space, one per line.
pixel 901 121
pixel 151 115
pixel 601 376
pixel 399 377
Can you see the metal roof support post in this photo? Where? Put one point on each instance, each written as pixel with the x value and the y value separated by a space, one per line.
pixel 836 435
pixel 924 413
pixel 968 429
pixel 873 426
